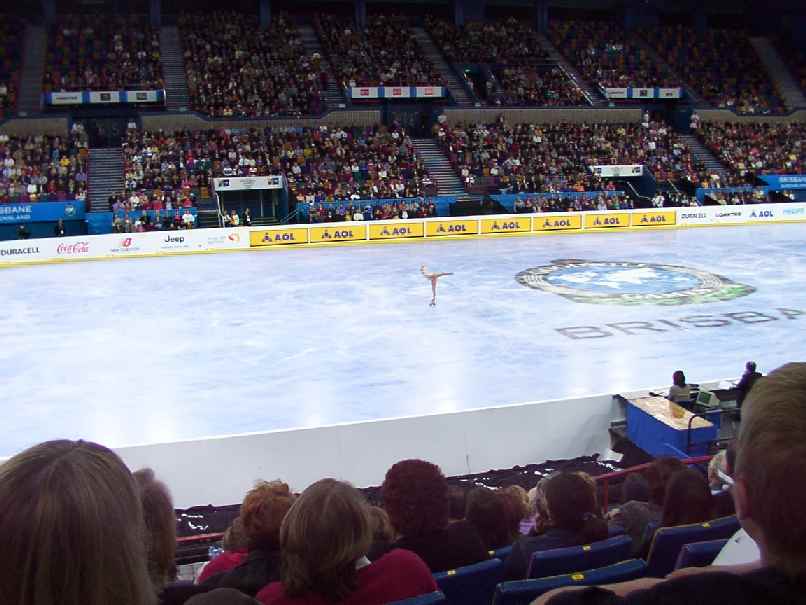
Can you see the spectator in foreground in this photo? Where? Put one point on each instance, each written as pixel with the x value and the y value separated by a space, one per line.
pixel 415 494
pixel 636 515
pixel 487 513
pixel 72 528
pixel 235 550
pixel 688 499
pixel 383 534
pixel 573 520
pixel 769 503
pixel 262 513
pixel 160 520
pixel 325 538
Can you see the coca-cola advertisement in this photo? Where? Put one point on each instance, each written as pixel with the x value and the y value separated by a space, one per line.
pixel 81 248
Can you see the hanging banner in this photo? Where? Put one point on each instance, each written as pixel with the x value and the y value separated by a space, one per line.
pixel 245 183
pixel 617 170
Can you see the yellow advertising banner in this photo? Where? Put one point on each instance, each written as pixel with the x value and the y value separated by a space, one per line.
pixel 601 220
pixel 396 230
pixel 342 233
pixel 274 237
pixel 557 223
pixel 655 218
pixel 455 227
pixel 506 225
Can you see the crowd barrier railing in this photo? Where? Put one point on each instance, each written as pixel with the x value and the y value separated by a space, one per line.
pixel 158 243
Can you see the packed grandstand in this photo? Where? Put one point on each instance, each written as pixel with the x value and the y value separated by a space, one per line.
pixel 134 123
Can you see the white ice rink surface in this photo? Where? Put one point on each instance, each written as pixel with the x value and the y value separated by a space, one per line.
pixel 164 349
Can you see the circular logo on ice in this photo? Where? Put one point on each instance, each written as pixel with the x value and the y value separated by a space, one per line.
pixel 626 283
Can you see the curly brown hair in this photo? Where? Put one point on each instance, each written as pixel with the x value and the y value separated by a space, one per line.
pixel 415 494
pixel 262 513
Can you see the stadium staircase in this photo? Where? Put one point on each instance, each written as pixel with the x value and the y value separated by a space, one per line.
pixel 696 99
pixel 105 176
pixel 433 54
pixel 207 219
pixel 595 97
pixel 440 169
pixel 779 73
pixel 33 68
pixel 334 98
pixel 702 154
pixel 173 69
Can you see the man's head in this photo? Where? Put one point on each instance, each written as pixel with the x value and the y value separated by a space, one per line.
pixel 770 498
pixel 750 366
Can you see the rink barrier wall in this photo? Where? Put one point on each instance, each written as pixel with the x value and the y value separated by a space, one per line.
pixel 162 243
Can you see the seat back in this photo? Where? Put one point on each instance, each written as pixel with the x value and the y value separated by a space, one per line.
pixel 560 561
pixel 523 592
pixel 472 584
pixel 669 541
pixel 431 598
pixel 501 553
pixel 699 554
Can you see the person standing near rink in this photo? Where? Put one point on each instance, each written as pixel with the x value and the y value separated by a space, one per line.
pixel 432 277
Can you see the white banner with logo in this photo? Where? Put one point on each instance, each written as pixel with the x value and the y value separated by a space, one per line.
pixel 140 96
pixel 105 96
pixel 429 92
pixel 365 92
pixel 750 213
pixel 643 93
pixel 244 183
pixel 65 98
pixel 617 170
pixel 670 93
pixel 616 93
pixel 397 92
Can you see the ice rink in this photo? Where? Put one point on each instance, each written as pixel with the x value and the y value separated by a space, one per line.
pixel 163 349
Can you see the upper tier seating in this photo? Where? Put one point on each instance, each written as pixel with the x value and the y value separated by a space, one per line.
pixel 235 69
pixel 10 46
pixel 721 65
pixel 508 42
pixel 385 54
pixel 757 148
pixel 607 55
pixel 537 85
pixel 92 52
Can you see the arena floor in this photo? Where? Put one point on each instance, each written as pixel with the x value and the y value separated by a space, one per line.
pixel 164 349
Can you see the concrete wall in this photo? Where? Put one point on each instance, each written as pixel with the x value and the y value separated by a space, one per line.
pixel 723 115
pixel 546 116
pixel 190 121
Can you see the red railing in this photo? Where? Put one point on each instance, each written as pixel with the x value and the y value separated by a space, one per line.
pixel 606 478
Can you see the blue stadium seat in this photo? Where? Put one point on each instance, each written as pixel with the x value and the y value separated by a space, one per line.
pixel 522 592
pixel 501 553
pixel 699 554
pixel 432 598
pixel 669 541
pixel 559 561
pixel 472 584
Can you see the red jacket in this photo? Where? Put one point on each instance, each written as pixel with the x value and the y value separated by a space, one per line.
pixel 399 574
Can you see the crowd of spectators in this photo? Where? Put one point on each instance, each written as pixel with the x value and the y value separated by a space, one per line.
pixel 328 213
pixel 546 86
pixel 320 164
pixel 795 59
pixel 557 157
pixel 607 55
pixel 104 534
pixel 235 69
pixel 10 45
pixel 737 198
pixel 43 167
pixel 94 52
pixel 757 148
pixel 564 203
pixel 721 65
pixel 504 42
pixel 386 53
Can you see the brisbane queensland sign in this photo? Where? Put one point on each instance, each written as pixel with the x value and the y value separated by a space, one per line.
pixel 633 284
